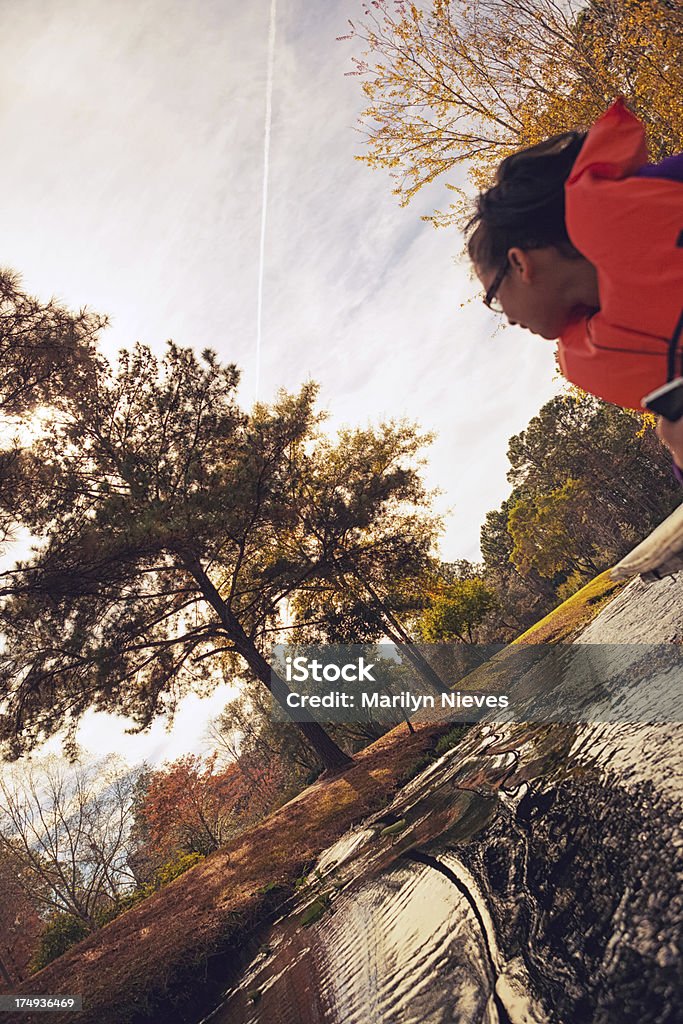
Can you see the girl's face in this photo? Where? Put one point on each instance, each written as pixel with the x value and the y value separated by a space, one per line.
pixel 536 290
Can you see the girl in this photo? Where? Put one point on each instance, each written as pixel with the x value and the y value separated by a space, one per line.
pixel 581 240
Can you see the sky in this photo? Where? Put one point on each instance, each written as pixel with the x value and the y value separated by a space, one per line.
pixel 132 180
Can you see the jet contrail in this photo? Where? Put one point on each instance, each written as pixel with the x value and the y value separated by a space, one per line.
pixel 264 197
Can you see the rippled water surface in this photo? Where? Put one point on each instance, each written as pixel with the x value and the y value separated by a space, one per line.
pixel 532 874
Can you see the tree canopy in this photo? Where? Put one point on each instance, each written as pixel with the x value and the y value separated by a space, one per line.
pixel 456 610
pixel 174 527
pixel 191 806
pixel 46 351
pixel 589 480
pixel 47 354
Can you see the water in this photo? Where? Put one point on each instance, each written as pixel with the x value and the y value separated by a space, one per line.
pixel 532 874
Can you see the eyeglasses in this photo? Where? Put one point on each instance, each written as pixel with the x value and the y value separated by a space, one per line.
pixel 491 298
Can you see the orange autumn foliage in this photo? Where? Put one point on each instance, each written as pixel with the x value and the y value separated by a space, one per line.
pixel 194 806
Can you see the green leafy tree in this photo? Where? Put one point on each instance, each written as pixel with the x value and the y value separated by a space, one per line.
pixel 456 610
pixel 46 355
pixel 61 932
pixel 553 533
pixel 368 597
pixel 46 352
pixel 613 452
pixel 523 597
pixel 589 480
pixel 175 529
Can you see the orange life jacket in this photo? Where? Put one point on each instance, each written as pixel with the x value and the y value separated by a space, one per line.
pixel 631 230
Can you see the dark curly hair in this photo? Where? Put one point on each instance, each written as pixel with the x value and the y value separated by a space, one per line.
pixel 525 207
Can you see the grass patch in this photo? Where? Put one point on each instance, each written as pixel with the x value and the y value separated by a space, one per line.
pixel 451 739
pixel 395 829
pixel 563 623
pixel 315 911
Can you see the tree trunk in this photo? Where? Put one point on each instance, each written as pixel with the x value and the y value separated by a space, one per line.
pixel 404 641
pixel 332 756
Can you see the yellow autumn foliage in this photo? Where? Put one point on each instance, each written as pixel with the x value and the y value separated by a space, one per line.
pixel 455 82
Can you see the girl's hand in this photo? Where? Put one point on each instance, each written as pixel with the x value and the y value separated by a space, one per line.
pixel 671 435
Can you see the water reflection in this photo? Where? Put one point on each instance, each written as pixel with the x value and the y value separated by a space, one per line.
pixel 531 875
